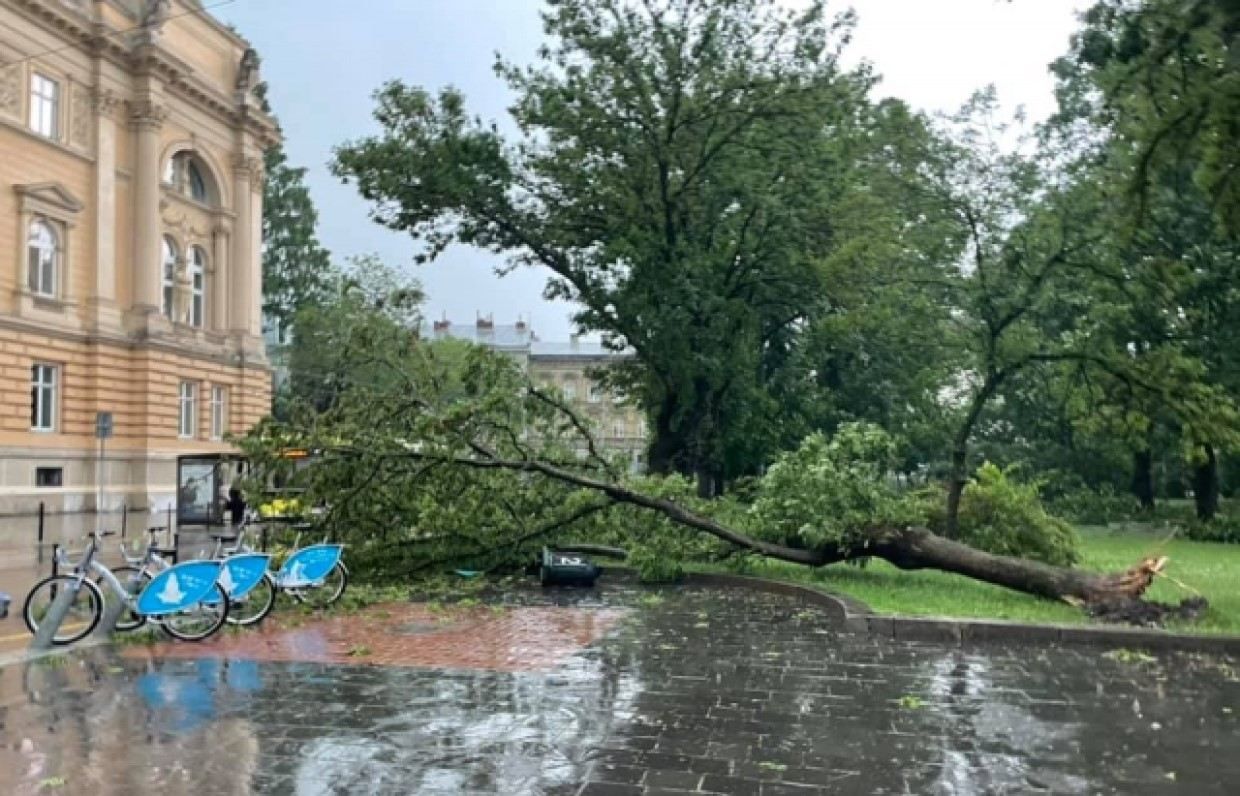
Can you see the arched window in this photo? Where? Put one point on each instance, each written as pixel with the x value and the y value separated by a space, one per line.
pixel 170 253
pixel 189 176
pixel 198 285
pixel 43 254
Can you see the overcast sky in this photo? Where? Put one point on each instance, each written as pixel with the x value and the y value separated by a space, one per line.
pixel 324 58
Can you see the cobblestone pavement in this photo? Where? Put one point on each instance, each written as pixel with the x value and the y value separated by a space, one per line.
pixel 691 691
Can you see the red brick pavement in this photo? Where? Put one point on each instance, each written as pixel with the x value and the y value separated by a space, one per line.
pixel 519 638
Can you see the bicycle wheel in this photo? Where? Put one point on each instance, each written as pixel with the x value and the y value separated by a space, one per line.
pixel 327 592
pixel 255 605
pixel 84 610
pixel 130 620
pixel 199 621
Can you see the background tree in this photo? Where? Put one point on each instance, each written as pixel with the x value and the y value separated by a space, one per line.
pixel 297 269
pixel 1164 76
pixel 674 168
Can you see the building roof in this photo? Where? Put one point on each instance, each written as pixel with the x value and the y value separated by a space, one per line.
pixel 519 337
pixel 576 349
pixel 506 336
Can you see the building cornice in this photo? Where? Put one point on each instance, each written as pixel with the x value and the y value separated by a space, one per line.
pixel 229 358
pixel 145 55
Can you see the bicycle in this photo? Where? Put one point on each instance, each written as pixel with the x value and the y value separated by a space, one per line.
pixel 185 600
pixel 314 575
pixel 241 574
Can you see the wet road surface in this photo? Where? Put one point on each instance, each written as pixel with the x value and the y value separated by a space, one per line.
pixel 671 691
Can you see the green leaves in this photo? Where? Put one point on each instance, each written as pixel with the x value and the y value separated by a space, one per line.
pixel 297 270
pixel 831 492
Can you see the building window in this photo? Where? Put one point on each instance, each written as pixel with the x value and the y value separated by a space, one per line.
pixel 189 410
pixel 43 397
pixel 570 391
pixel 43 255
pixel 49 476
pixel 169 255
pixel 617 429
pixel 594 394
pixel 219 411
pixel 197 185
pixel 198 284
pixel 188 177
pixel 44 106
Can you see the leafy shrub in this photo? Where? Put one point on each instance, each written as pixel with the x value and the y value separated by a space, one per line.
pixel 1000 515
pixel 1090 507
pixel 831 492
pixel 1223 528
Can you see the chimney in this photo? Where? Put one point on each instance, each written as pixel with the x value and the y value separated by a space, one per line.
pixel 442 327
pixel 521 327
pixel 485 325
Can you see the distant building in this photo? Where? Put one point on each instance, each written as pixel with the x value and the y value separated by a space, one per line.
pixel 618 425
pixel 131 191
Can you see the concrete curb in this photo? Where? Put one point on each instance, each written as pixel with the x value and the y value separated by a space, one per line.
pixel 856 617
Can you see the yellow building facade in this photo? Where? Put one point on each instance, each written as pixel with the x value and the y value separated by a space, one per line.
pixel 130 246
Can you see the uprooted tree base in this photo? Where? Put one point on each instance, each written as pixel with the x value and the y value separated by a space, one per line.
pixel 1147 613
pixel 1109 595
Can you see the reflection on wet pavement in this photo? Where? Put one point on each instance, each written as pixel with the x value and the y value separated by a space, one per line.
pixel 500 638
pixel 697 691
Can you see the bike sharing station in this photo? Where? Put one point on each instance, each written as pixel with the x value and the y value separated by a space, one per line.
pixel 189 600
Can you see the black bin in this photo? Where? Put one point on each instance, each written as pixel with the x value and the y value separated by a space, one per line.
pixel 567 569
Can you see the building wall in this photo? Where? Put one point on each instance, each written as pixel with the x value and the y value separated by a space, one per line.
pixel 618 425
pixel 177 86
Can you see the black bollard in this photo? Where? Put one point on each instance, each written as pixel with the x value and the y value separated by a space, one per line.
pixel 40 553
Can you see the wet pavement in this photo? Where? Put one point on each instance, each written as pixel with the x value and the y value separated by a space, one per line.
pixel 672 691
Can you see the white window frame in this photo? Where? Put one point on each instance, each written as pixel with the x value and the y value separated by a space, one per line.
pixel 45 96
pixel 187 410
pixel 43 277
pixel 44 397
pixel 219 411
pixel 169 252
pixel 594 393
pixel 570 391
pixel 198 286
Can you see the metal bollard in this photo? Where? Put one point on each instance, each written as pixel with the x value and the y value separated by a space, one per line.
pixel 40 553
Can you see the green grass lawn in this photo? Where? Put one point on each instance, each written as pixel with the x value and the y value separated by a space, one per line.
pixel 1211 569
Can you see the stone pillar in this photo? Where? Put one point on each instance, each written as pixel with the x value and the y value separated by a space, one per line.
pixel 147 120
pixel 256 255
pixel 105 104
pixel 220 270
pixel 241 276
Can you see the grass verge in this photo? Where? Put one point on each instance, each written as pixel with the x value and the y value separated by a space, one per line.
pixel 1211 569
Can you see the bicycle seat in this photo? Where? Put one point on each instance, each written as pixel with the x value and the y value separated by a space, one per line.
pixel 106 533
pixel 224 537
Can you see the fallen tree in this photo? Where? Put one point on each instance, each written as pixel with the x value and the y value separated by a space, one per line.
pixel 908 548
pixel 463 459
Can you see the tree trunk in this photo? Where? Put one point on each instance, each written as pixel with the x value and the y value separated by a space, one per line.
pixel 666 444
pixel 1143 478
pixel 955 488
pixel 1205 486
pixel 918 548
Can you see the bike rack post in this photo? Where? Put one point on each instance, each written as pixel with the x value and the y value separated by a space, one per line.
pixel 52 621
pixel 112 609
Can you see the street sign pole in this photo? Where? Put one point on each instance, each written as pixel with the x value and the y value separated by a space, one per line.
pixel 103 430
